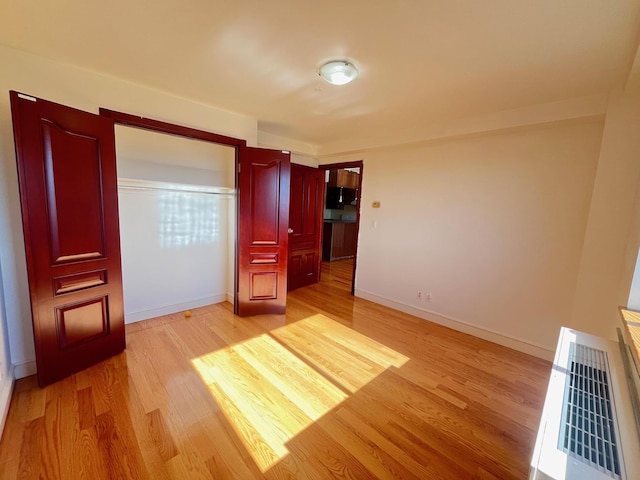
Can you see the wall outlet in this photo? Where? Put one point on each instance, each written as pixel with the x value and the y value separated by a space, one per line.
pixel 427 297
pixel 419 295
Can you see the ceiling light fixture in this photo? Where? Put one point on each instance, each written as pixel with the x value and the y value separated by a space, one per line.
pixel 338 72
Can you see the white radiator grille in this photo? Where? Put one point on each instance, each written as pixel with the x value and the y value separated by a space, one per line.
pixel 588 422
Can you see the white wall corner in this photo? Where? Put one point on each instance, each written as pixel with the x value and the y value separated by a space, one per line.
pixel 461 326
pixel 613 229
pixel 25 369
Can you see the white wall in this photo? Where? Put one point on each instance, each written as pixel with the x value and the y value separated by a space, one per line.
pixel 147 155
pixel 491 226
pixel 6 370
pixel 613 230
pixel 88 91
pixel 174 250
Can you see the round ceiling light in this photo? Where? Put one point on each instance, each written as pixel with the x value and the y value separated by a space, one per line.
pixel 338 72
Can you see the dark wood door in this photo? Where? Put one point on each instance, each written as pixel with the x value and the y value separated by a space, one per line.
pixel 306 209
pixel 263 217
pixel 68 193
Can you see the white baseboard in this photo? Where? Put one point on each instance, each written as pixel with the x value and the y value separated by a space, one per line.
pixel 6 389
pixel 24 369
pixel 230 298
pixel 139 315
pixel 461 326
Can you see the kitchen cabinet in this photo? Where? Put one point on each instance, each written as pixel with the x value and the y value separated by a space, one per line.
pixel 339 240
pixel 344 179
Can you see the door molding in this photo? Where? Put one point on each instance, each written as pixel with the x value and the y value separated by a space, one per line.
pixel 150 124
pixel 354 164
pixel 121 118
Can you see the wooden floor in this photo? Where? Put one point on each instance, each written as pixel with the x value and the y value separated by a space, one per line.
pixel 338 388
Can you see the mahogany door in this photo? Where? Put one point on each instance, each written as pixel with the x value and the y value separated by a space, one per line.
pixel 263 217
pixel 68 193
pixel 306 211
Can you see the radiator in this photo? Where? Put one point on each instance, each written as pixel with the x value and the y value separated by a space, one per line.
pixel 588 428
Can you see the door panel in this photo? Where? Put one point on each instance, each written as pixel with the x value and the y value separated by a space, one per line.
pixel 306 208
pixel 68 192
pixel 263 206
pixel 73 191
pixel 265 191
pixel 81 322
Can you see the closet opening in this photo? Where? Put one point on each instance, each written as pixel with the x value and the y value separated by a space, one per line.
pixel 177 214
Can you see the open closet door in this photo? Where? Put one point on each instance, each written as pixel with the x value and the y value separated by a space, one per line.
pixel 263 217
pixel 68 193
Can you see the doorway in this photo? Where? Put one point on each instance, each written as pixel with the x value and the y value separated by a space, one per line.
pixel 262 205
pixel 342 221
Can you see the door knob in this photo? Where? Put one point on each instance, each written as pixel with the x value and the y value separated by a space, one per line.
pixel 290 230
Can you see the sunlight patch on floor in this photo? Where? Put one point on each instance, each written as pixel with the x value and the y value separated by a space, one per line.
pixel 270 389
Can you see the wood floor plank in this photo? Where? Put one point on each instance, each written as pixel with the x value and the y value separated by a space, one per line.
pixel 228 457
pixel 86 409
pixel 117 448
pixel 86 463
pixel 328 458
pixel 12 437
pixel 161 435
pixel 417 466
pixel 332 362
pixel 189 465
pixel 281 418
pixel 61 429
pixel 308 390
pixel 32 403
pixel 249 427
pixel 339 388
pixel 31 452
pixel 149 450
pixel 365 450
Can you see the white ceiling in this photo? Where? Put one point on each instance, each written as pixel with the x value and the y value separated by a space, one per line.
pixel 421 61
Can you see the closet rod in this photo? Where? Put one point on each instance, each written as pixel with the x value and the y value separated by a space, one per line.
pixel 180 190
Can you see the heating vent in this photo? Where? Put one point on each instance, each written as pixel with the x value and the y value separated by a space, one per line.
pixel 588 427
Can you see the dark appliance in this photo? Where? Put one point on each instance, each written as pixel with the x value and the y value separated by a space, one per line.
pixel 338 197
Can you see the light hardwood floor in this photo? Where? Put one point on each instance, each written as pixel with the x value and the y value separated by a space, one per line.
pixel 338 388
